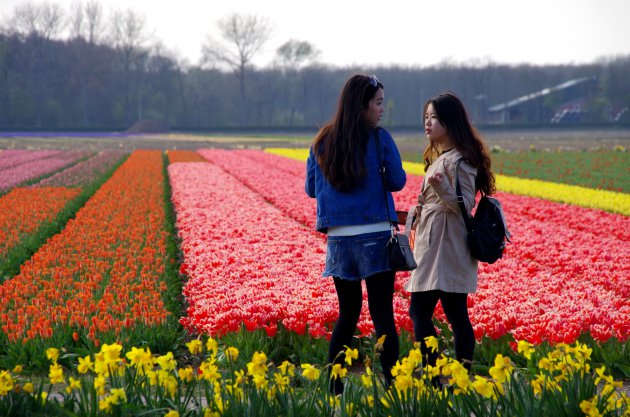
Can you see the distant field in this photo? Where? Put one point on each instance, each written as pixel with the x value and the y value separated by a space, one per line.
pixel 587 157
pixel 600 169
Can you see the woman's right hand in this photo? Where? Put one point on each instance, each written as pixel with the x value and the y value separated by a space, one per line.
pixel 436 179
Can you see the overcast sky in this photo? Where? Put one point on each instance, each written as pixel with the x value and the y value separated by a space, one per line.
pixel 398 32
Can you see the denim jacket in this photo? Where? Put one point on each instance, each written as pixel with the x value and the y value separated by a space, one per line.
pixel 365 204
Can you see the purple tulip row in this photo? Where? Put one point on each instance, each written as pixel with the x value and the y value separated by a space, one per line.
pixel 13 157
pixel 84 172
pixel 33 169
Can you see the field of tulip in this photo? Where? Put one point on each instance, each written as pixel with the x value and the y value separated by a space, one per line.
pixel 103 274
pixel 543 290
pixel 250 264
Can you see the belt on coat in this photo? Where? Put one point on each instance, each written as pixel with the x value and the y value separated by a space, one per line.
pixel 438 208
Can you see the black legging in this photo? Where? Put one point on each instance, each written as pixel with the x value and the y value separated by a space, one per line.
pixel 380 291
pixel 455 306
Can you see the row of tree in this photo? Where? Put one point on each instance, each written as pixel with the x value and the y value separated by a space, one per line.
pixel 107 74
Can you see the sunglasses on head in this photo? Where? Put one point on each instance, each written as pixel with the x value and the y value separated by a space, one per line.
pixel 373 81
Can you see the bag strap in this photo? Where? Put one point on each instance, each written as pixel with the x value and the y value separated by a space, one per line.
pixel 381 170
pixel 460 200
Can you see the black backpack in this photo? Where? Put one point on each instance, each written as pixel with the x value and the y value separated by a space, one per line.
pixel 487 229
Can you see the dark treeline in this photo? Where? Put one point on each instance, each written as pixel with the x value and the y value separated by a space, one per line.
pixel 81 83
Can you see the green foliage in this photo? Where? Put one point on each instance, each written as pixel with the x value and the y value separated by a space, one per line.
pixel 601 169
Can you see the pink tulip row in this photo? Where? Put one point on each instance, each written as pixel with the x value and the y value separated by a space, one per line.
pixel 247 262
pixel 565 273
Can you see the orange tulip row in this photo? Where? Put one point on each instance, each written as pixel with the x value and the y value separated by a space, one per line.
pixel 24 210
pixel 104 271
pixel 184 156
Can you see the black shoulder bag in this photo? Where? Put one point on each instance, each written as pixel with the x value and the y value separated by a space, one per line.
pixel 487 229
pixel 398 249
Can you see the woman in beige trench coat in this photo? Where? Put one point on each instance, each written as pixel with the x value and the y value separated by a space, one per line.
pixel 446 271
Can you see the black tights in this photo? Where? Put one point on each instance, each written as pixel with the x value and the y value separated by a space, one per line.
pixel 455 306
pixel 380 291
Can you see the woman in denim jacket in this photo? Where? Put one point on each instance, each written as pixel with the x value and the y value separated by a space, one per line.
pixel 343 175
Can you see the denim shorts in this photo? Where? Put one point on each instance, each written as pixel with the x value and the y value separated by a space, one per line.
pixel 357 257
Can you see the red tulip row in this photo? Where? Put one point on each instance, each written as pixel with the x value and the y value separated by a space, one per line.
pixel 565 273
pixel 103 272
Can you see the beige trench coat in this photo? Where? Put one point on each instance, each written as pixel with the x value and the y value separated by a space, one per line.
pixel 443 258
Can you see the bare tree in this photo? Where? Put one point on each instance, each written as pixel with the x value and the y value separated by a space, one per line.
pixel 95 20
pixel 38 23
pixel 292 55
pixel 243 37
pixel 128 37
pixel 86 21
pixel 43 20
pixel 76 20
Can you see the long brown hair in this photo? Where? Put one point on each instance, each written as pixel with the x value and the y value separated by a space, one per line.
pixel 452 114
pixel 340 145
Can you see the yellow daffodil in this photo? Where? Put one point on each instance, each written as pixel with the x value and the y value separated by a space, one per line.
pixel 141 359
pixel 55 374
pixel 6 383
pixel 525 348
pixel 73 385
pixel 258 365
pixel 589 408
pixel 212 346
pixel 195 347
pixel 85 365
pixel 118 396
pixel 351 354
pixel 240 377
pixel 432 343
pixel 287 368
pixel 52 354
pixel 209 413
pixel 186 374
pixel 209 371
pixel 260 380
pixel 166 362
pixel 366 378
pixel 338 371
pixel 502 369
pixel 231 353
pixel 310 372
pixel 281 381
pixel 484 387
pixel 415 357
pixel 99 384
pixel 378 346
pixel 403 383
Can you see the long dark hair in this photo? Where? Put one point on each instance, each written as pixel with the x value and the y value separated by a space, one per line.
pixel 340 145
pixel 452 114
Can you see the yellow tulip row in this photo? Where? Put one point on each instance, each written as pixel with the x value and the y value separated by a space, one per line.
pixel 611 201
